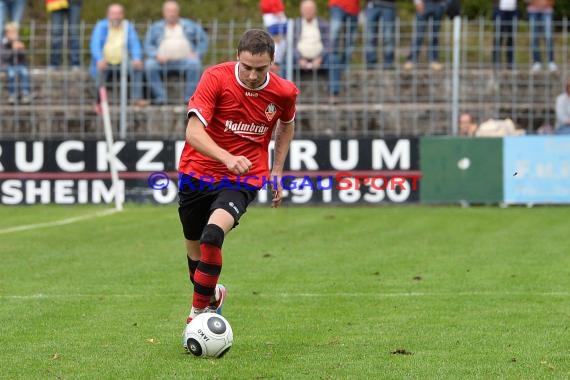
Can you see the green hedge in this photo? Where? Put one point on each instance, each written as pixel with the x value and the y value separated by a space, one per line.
pixel 225 10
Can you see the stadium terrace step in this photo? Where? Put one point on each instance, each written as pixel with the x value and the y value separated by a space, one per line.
pixel 82 121
pixel 364 86
pixel 56 87
pixel 408 119
pixel 377 86
pixel 76 87
pixel 373 102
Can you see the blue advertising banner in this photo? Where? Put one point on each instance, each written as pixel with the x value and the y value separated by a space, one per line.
pixel 536 169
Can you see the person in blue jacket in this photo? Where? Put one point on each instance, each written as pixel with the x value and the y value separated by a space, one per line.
pixel 177 45
pixel 108 51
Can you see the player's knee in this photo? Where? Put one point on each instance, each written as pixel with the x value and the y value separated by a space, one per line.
pixel 213 235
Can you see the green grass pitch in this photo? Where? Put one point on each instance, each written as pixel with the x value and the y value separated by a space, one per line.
pixel 314 293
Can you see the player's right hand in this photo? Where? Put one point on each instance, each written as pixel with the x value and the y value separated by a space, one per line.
pixel 238 165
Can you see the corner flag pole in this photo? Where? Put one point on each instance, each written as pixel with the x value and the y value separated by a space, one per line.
pixel 115 185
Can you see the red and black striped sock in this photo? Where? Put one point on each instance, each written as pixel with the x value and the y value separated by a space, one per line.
pixel 192 265
pixel 209 267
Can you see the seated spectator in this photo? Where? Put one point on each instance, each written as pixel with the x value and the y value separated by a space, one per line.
pixel 499 128
pixel 174 44
pixel 14 9
pixel 14 63
pixel 275 21
pixel 563 111
pixel 107 48
pixel 311 38
pixel 60 11
pixel 466 125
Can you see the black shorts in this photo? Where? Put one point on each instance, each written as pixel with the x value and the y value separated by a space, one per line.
pixel 196 205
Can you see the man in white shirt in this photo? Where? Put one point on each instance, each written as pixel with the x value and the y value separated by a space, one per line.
pixel 177 45
pixel 311 38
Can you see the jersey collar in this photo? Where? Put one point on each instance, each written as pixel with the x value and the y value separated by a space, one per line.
pixel 243 84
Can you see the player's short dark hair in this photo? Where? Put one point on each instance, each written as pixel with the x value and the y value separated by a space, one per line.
pixel 257 42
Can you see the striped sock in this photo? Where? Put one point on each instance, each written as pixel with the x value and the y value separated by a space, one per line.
pixel 192 265
pixel 206 275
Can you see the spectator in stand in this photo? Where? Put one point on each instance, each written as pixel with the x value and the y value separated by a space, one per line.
pixel 505 15
pixel 311 38
pixel 107 48
pixel 467 127
pixel 563 111
pixel 344 15
pixel 540 18
pixel 13 60
pixel 275 21
pixel 176 45
pixel 14 9
pixel 60 11
pixel 426 10
pixel 376 11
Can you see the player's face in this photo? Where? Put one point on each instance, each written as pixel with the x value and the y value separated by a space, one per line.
pixel 253 69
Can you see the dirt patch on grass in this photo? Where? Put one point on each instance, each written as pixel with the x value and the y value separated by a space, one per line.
pixel 401 351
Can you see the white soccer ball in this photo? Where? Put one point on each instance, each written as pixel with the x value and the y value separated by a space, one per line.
pixel 208 335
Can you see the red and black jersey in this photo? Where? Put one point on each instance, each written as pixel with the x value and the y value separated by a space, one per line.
pixel 239 119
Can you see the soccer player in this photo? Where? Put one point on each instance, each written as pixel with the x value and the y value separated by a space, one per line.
pixel 231 117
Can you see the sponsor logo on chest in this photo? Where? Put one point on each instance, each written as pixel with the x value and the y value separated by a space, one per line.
pixel 242 128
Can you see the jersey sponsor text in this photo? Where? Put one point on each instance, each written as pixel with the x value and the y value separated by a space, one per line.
pixel 250 128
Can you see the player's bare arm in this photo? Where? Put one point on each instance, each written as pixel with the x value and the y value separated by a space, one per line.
pixel 203 143
pixel 283 136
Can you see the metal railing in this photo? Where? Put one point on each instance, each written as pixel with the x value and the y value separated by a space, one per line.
pixel 372 102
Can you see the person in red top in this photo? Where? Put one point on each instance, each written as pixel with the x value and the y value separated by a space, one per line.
pixel 231 117
pixel 275 21
pixel 271 6
pixel 344 15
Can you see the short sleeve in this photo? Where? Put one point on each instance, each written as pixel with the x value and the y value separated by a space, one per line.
pixel 203 101
pixel 289 112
